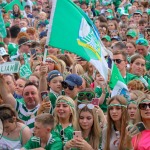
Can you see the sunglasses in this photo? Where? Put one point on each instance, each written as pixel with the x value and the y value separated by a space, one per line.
pixel 85 95
pixel 143 106
pixel 89 106
pixel 118 61
pixel 65 86
pixel 62 135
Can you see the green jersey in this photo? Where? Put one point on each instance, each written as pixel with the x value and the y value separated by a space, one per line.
pixel 54 143
pixel 130 77
pixel 26 115
pixel 66 133
pixel 147 59
pixel 98 92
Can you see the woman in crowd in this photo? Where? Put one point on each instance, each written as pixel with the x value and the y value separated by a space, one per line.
pixel 65 118
pixel 89 126
pixel 15 133
pixel 141 140
pixel 20 83
pixel 16 12
pixel 137 67
pixel 113 136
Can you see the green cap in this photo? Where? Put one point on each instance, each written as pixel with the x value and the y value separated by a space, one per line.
pixel 12 49
pixel 107 38
pixel 110 17
pixel 131 33
pixel 138 12
pixel 109 10
pixel 142 41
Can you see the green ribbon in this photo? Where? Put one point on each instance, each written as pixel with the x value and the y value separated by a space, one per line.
pixel 117 105
pixel 132 102
pixel 66 102
pixel 145 100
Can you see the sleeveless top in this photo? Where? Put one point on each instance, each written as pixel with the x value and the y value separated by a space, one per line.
pixel 11 144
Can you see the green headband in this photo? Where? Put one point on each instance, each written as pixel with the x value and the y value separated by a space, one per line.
pixel 66 102
pixel 117 105
pixel 145 100
pixel 132 102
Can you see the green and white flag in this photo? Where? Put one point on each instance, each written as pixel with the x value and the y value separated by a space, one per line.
pixel 2 26
pixel 117 83
pixel 10 5
pixel 72 30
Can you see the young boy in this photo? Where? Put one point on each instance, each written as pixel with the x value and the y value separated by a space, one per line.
pixel 43 137
pixel 54 80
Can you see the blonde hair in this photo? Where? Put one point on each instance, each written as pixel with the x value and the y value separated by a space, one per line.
pixel 95 132
pixel 73 118
pixel 123 123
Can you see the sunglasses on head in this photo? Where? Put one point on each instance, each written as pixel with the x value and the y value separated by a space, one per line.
pixel 143 106
pixel 89 106
pixel 85 95
pixel 118 61
pixel 65 86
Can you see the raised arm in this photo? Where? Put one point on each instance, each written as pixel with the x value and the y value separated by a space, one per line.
pixel 5 93
pixel 43 76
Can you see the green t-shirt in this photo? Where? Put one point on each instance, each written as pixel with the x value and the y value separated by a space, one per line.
pixel 147 59
pixel 130 77
pixel 148 81
pixel 98 92
pixel 66 134
pixel 54 143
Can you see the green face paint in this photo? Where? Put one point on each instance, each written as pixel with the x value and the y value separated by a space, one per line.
pixel 120 105
pixel 66 102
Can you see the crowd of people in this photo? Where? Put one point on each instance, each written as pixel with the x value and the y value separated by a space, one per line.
pixel 64 102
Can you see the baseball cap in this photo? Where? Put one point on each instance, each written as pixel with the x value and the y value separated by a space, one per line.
pixel 110 17
pixel 123 14
pixel 142 41
pixel 52 74
pixel 138 12
pixel 23 40
pixel 73 80
pixel 132 33
pixel 115 38
pixel 3 52
pixel 107 38
pixel 42 24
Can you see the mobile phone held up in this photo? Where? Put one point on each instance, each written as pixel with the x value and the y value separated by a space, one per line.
pixel 77 134
pixel 95 101
pixel 141 127
pixel 44 96
pixel 33 53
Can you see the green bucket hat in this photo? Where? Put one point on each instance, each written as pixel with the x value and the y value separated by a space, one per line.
pixel 142 41
pixel 107 38
pixel 131 33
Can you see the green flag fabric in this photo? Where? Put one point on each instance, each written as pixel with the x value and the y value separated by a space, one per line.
pixel 2 27
pixel 72 30
pixel 117 83
pixel 10 5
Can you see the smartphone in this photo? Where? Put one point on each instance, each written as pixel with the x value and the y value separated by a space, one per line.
pixel 33 52
pixel 95 101
pixel 141 126
pixel 44 95
pixel 77 134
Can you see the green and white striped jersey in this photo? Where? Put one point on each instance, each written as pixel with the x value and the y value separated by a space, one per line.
pixel 26 115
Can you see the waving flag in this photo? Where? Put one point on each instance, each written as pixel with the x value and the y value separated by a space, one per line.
pixel 2 24
pixel 117 83
pixel 71 29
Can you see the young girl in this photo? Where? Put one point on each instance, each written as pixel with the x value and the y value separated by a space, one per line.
pixel 65 118
pixel 89 126
pixel 113 136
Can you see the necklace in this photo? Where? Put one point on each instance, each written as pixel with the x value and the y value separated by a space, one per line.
pixel 12 129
